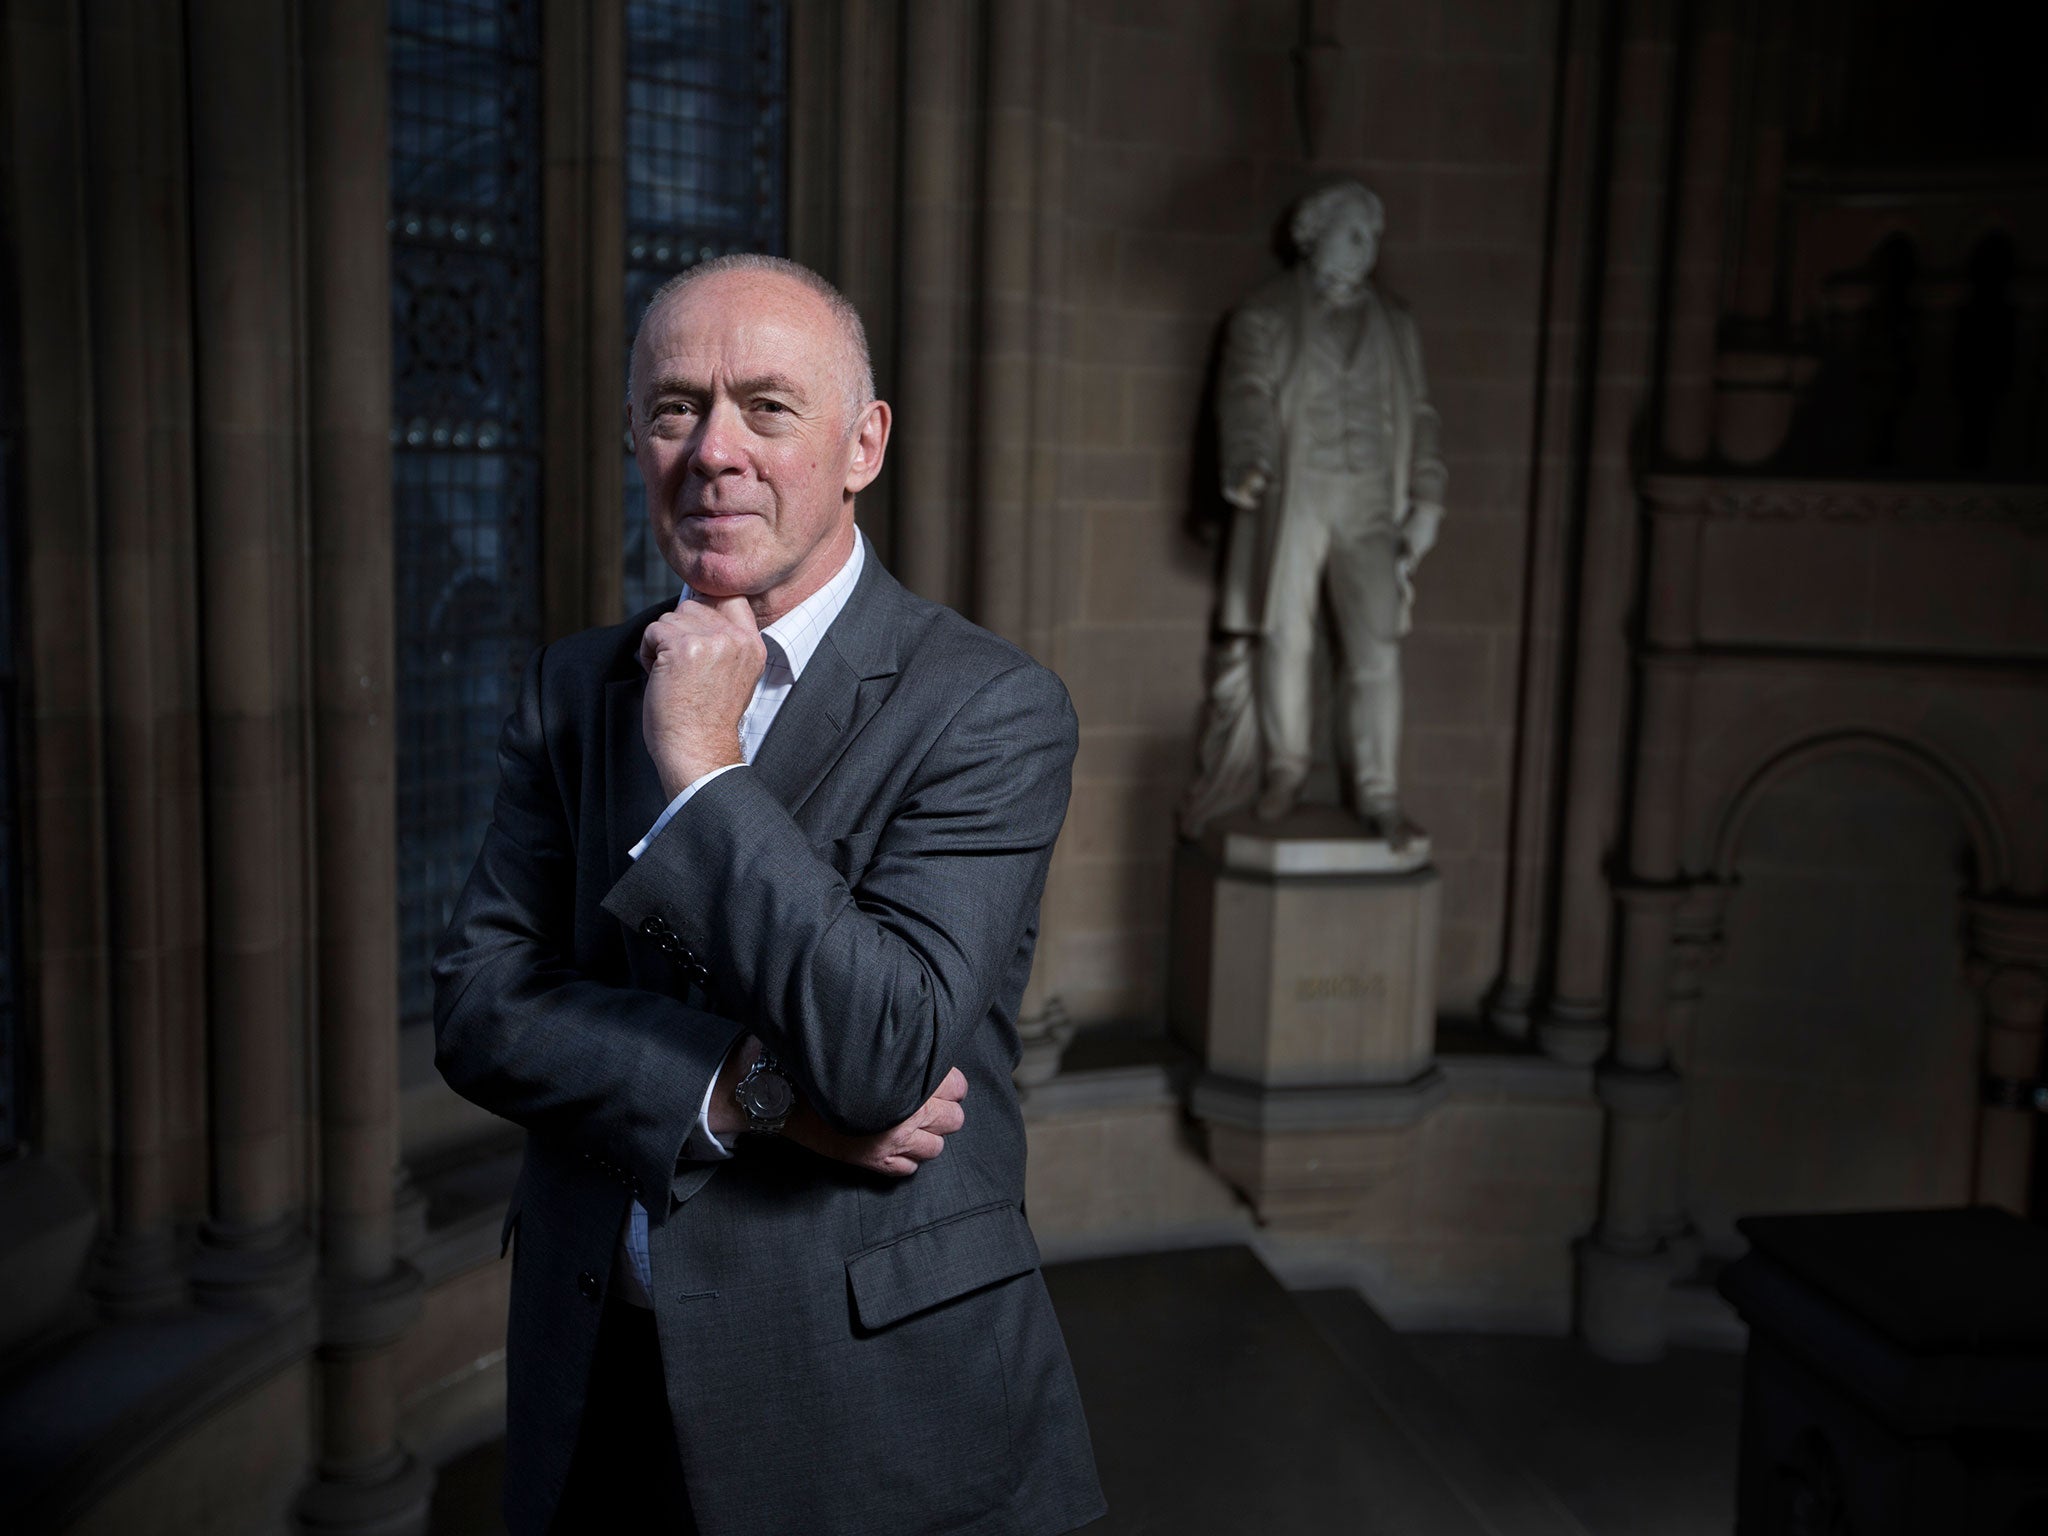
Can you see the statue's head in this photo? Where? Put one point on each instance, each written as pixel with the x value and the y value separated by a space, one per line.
pixel 1337 231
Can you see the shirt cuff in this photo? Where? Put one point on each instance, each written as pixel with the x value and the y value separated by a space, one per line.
pixel 703 1145
pixel 675 805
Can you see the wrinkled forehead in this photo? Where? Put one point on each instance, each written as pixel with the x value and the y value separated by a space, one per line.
pixel 741 325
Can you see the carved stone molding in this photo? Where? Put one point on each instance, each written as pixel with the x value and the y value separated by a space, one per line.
pixel 1221 1100
pixel 1748 499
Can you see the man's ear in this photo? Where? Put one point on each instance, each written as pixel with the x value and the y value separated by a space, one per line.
pixel 870 443
pixel 632 439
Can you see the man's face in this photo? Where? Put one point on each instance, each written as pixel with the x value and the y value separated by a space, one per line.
pixel 1345 253
pixel 740 425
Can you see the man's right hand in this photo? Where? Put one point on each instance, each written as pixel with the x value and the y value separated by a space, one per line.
pixel 703 660
pixel 898 1151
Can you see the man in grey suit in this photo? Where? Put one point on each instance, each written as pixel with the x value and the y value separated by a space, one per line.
pixel 743 983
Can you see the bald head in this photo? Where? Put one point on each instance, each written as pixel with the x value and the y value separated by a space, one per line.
pixel 853 364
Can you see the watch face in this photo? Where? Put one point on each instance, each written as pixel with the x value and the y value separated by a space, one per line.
pixel 768 1097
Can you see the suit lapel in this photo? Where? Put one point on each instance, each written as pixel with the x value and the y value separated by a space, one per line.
pixel 841 687
pixel 809 729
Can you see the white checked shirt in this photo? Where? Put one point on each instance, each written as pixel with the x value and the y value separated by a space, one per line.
pixel 791 641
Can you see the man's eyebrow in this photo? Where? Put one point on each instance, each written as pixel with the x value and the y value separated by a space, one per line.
pixel 763 384
pixel 768 384
pixel 673 384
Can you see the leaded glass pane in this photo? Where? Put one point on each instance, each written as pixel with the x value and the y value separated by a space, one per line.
pixel 707 108
pixel 466 412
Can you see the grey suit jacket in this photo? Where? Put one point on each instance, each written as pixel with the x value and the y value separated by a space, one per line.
pixel 844 1352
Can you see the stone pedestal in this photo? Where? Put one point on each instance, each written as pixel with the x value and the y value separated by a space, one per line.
pixel 1305 953
pixel 1305 983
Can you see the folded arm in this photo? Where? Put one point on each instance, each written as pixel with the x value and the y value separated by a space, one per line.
pixel 864 996
pixel 619 1072
pixel 898 1151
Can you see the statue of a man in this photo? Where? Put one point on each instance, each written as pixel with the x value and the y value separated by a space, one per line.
pixel 1330 466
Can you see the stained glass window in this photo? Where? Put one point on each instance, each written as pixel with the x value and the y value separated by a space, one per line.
pixel 465 431
pixel 707 108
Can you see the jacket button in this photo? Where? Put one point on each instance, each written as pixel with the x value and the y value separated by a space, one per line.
pixel 586 1285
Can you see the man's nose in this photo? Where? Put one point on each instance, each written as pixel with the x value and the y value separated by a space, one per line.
pixel 718 445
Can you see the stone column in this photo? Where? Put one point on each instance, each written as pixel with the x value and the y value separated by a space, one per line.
pixel 2009 944
pixel 1757 372
pixel 1049 544
pixel 934 352
pixel 583 313
pixel 1625 1269
pixel 1624 1274
pixel 844 70
pixel 242 72
pixel 141 423
pixel 818 123
pixel 1015 524
pixel 1563 402
pixel 869 232
pixel 1576 1027
pixel 1693 309
pixel 64 1178
pixel 1003 428
pixel 1697 946
pixel 1664 677
pixel 364 1481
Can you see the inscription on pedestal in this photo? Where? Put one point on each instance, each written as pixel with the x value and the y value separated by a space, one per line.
pixel 1311 989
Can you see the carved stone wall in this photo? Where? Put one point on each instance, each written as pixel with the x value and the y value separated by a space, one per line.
pixel 1800 637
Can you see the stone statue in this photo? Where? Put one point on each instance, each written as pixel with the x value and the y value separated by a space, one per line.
pixel 1330 465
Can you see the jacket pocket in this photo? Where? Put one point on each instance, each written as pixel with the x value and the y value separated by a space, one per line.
pixel 935 1263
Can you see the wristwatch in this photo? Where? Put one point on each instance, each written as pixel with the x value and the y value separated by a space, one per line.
pixel 765 1095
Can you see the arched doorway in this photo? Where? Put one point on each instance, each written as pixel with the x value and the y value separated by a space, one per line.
pixel 1833 1062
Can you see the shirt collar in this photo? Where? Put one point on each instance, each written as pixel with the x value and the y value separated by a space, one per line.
pixel 798 632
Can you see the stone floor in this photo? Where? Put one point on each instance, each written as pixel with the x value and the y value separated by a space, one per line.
pixel 1222 1405
pixel 1631 1450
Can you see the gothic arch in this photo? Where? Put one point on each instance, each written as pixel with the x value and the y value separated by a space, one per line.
pixel 1957 787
